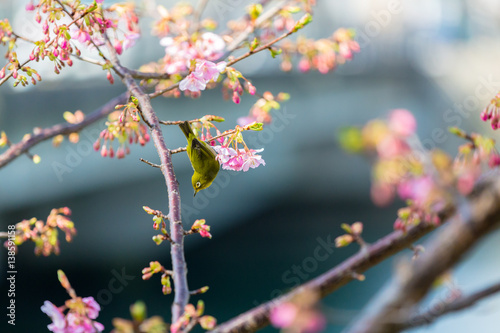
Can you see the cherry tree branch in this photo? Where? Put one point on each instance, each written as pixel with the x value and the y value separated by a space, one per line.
pixel 41 135
pixel 260 48
pixel 197 14
pixel 478 216
pixel 445 307
pixel 335 278
pixel 179 266
pixel 235 43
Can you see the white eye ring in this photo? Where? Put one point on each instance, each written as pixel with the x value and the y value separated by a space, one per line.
pixel 198 184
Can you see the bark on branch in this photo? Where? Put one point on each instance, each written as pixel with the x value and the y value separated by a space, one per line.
pixel 477 216
pixel 24 145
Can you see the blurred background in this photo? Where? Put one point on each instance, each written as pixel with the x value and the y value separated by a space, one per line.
pixel 437 58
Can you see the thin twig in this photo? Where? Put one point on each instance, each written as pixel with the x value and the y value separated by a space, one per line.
pixel 65 128
pixel 460 303
pixel 197 14
pixel 176 122
pixel 260 48
pixel 152 164
pixel 198 291
pixel 235 43
pixel 149 76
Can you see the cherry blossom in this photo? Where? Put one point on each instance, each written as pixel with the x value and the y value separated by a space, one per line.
pixel 242 160
pixel 402 122
pixel 58 323
pixel 193 82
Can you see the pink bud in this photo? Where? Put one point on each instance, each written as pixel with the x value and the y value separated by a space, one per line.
pixel 236 98
pixel 494 160
pixel 111 152
pixel 484 115
pixel 38 18
pixel 30 7
pixel 45 27
pixel 304 65
pixel 97 145
pixel 120 153
pixel 251 89
pixel 118 46
pixel 2 73
pixel 110 78
pixel 104 151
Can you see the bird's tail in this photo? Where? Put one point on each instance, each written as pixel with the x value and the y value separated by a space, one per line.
pixel 186 128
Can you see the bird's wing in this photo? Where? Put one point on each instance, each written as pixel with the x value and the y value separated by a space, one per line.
pixel 202 152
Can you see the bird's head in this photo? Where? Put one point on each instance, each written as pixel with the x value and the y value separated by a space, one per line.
pixel 201 182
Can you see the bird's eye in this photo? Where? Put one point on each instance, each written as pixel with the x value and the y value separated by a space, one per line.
pixel 198 184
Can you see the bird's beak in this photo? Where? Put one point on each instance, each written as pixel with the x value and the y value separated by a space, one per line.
pixel 195 193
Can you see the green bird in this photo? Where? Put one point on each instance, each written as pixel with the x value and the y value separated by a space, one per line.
pixel 202 158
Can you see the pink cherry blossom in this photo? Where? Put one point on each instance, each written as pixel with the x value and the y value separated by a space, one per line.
pixel 80 324
pixel 402 122
pixel 416 189
pixel 130 40
pixel 193 82
pixel 208 70
pixel 283 315
pixel 80 35
pixel 93 307
pixel 224 154
pixel 243 160
pixel 211 46
pixel 58 323
pixel 205 231
pixel 392 146
pixel 251 160
pixel 243 121
pixel 235 163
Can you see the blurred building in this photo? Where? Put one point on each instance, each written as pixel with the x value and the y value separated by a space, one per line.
pixel 437 58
